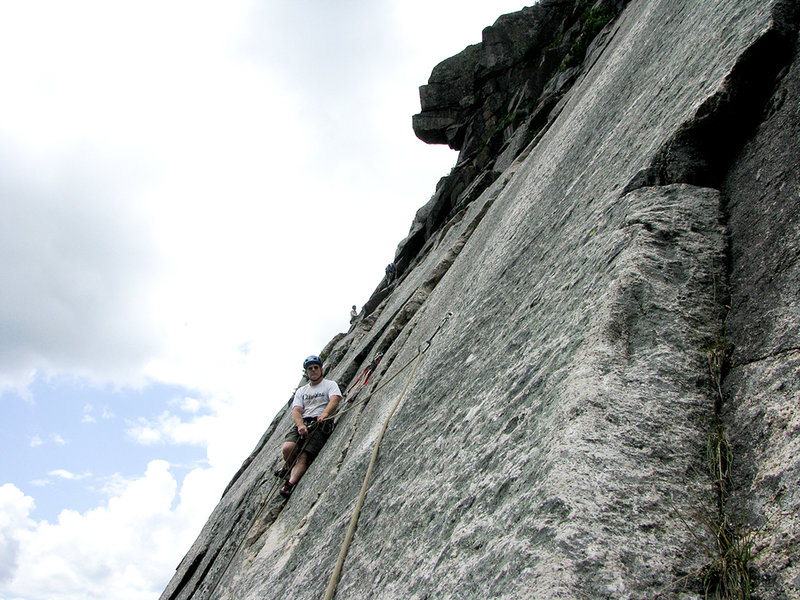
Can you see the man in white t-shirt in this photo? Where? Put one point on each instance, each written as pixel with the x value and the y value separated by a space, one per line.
pixel 313 403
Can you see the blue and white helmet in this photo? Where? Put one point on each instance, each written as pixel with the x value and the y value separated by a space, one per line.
pixel 313 359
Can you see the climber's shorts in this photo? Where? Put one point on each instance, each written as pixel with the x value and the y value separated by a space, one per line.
pixel 318 434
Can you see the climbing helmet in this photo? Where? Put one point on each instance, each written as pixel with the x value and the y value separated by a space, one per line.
pixel 313 359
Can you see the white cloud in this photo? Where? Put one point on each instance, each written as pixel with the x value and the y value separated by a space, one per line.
pixel 143 432
pixel 132 173
pixel 87 414
pixel 68 475
pixel 191 405
pixel 130 545
pixel 14 510
pixel 114 485
pixel 79 299
pixel 170 428
pixel 55 438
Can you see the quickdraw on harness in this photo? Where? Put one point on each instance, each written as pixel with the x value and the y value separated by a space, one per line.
pixel 368 371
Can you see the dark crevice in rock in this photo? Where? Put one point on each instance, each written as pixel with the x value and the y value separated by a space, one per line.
pixel 702 150
pixel 433 220
pixel 378 296
pixel 269 517
pixel 204 574
pixel 190 571
pixel 246 463
pixel 723 126
pixel 196 592
pixel 395 325
pixel 401 318
pixel 328 356
pixel 355 364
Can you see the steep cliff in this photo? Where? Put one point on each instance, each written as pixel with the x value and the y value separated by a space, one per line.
pixel 611 409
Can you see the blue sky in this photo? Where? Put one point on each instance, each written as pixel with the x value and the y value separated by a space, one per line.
pixel 70 444
pixel 192 196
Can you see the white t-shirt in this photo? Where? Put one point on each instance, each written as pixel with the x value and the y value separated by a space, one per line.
pixel 313 399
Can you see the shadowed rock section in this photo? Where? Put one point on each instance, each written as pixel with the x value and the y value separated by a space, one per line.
pixel 617 387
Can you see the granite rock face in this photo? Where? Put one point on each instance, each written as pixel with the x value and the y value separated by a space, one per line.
pixel 611 409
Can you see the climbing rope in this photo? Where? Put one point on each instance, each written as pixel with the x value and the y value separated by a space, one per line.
pixel 362 494
pixel 422 349
pixel 354 404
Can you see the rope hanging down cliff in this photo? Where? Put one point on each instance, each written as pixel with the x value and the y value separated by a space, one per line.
pixel 359 503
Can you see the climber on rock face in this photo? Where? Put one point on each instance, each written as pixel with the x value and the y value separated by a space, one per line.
pixel 312 404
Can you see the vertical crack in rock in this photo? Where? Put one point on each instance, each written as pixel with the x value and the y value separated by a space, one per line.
pixel 394 326
pixel 703 152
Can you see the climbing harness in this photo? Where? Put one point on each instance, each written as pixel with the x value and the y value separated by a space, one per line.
pixel 326 425
pixel 362 494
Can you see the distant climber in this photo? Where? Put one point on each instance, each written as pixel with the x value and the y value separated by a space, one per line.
pixel 389 272
pixel 353 314
pixel 312 404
